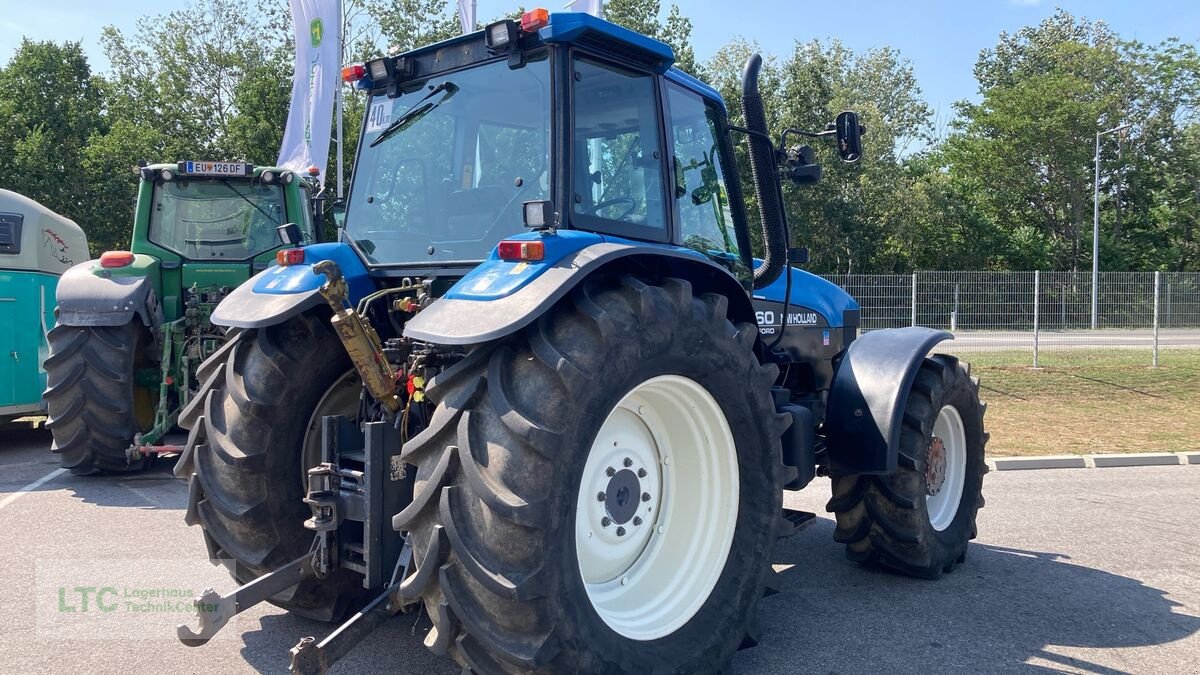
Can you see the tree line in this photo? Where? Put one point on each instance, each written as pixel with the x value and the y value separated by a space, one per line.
pixel 1005 184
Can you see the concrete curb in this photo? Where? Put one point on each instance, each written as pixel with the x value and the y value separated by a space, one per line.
pixel 1093 461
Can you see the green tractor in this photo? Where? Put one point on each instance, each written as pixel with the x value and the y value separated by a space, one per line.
pixel 134 325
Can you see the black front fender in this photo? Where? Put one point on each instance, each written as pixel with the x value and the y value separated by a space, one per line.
pixel 866 401
pixel 88 299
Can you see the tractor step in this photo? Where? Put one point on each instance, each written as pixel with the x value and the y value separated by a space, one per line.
pixel 793 521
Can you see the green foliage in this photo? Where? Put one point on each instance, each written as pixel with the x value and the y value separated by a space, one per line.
pixel 644 16
pixel 1009 186
pixel 1026 150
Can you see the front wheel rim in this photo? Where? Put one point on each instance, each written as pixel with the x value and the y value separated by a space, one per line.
pixel 657 507
pixel 946 468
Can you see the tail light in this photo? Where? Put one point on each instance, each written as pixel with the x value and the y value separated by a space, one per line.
pixel 112 259
pixel 521 250
pixel 290 256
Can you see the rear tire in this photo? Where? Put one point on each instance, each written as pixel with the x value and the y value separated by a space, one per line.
pixel 256 412
pixel 496 524
pixel 91 397
pixel 919 519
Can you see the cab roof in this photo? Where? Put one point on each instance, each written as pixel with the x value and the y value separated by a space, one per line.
pixel 585 30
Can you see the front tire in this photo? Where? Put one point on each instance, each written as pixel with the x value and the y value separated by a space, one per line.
pixel 919 519
pixel 256 423
pixel 94 406
pixel 505 500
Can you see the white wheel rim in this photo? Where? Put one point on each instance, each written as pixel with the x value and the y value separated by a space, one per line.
pixel 651 580
pixel 945 475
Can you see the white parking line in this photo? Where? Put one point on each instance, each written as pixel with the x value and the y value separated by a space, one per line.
pixel 31 487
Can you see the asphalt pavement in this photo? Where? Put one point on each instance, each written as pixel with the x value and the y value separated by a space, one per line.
pixel 1089 570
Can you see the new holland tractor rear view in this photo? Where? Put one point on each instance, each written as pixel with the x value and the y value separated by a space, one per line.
pixel 567 446
pixel 134 325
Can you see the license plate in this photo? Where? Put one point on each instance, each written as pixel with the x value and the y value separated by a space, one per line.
pixel 215 168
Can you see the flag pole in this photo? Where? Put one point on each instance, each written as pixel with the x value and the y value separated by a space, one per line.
pixel 340 86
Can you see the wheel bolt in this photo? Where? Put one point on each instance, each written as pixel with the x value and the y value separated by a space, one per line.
pixel 610 472
pixel 645 496
pixel 600 496
pixel 628 462
pixel 641 473
pixel 605 522
pixel 620 532
pixel 637 520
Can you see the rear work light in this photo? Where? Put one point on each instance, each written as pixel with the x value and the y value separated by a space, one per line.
pixel 111 259
pixel 290 256
pixel 521 250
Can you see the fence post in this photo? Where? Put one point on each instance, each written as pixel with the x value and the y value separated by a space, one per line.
pixel 1156 280
pixel 914 299
pixel 1037 279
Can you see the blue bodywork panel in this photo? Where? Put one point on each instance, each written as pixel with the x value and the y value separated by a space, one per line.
pixel 812 292
pixel 495 278
pixel 276 280
pixel 279 293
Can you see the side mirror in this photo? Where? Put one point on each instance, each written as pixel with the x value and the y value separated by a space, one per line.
pixel 290 234
pixel 849 136
pixel 338 211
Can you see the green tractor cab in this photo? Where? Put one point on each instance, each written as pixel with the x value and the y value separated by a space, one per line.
pixel 36 247
pixel 134 325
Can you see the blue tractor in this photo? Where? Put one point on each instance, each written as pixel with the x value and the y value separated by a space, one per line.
pixel 540 389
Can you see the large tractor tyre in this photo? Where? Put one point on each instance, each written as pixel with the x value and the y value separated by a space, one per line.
pixel 601 492
pixel 94 405
pixel 256 432
pixel 919 519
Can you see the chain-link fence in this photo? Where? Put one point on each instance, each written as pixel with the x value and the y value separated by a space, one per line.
pixel 1036 311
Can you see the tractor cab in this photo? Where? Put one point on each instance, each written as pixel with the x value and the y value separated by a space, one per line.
pixel 461 136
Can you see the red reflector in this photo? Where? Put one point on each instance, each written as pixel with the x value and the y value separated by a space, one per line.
pixel 534 19
pixel 354 73
pixel 521 250
pixel 290 256
pixel 116 259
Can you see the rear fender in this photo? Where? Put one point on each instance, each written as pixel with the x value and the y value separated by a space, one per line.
pixel 499 297
pixel 866 401
pixel 91 295
pixel 278 293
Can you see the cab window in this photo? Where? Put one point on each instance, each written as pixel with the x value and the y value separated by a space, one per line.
pixel 618 166
pixel 705 218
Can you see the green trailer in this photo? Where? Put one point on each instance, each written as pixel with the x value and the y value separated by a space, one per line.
pixel 133 326
pixel 36 246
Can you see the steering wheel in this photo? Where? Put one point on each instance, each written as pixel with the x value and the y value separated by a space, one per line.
pixel 595 210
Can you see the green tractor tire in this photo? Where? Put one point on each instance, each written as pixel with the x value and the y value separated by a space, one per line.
pixel 600 492
pixel 93 403
pixel 255 433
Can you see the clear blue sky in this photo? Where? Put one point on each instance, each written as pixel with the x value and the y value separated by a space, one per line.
pixel 942 39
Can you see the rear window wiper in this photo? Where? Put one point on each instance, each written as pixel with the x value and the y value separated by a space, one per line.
pixel 416 112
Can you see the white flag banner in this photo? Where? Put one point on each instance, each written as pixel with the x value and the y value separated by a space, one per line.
pixel 466 15
pixel 593 7
pixel 317 24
